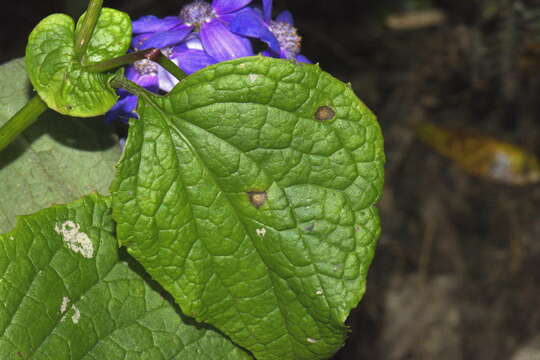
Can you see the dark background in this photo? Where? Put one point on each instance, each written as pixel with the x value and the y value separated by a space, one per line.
pixel 456 275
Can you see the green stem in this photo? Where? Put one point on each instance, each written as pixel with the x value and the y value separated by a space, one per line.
pixel 151 54
pixel 89 23
pixel 120 81
pixel 119 61
pixel 21 120
pixel 168 65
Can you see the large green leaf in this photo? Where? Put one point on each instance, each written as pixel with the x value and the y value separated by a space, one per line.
pixel 60 79
pixel 56 160
pixel 64 294
pixel 248 192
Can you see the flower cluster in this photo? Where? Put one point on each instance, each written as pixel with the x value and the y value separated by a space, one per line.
pixel 203 34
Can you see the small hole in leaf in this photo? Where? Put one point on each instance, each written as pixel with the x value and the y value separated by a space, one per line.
pixel 324 113
pixel 257 198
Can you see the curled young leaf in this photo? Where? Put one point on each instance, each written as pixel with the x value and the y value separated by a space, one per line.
pixel 60 79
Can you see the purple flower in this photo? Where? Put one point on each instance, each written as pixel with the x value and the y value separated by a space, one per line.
pixel 201 35
pixel 144 73
pixel 188 56
pixel 280 35
pixel 124 108
pixel 209 21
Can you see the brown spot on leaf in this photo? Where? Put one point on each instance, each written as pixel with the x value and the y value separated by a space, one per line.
pixel 310 228
pixel 324 113
pixel 357 228
pixel 257 198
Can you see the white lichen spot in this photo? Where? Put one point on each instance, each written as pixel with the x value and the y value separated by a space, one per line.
pixel 261 232
pixel 319 292
pixel 65 302
pixel 252 78
pixel 311 341
pixel 76 240
pixel 76 314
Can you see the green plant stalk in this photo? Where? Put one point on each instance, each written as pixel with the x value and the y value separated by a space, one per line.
pixel 168 65
pixel 112 64
pixel 120 81
pixel 21 120
pixel 150 54
pixel 82 38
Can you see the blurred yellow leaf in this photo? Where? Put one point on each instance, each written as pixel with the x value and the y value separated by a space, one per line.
pixel 483 156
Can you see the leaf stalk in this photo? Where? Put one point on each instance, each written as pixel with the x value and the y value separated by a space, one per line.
pixel 121 82
pixel 21 120
pixel 168 65
pixel 112 64
pixel 83 37
pixel 150 54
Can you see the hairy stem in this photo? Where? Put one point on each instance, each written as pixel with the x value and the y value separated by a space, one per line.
pixel 89 23
pixel 21 120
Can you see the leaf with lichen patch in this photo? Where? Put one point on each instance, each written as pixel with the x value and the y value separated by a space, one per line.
pixel 66 295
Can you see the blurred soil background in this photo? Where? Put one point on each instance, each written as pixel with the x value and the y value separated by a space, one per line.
pixel 457 270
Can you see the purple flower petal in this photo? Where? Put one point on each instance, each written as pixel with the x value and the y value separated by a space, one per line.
pixel 166 80
pixel 249 23
pixel 193 60
pixel 151 23
pixel 267 10
pixel 123 109
pixel 161 40
pixel 269 54
pixel 132 74
pixel 193 43
pixel 149 82
pixel 138 40
pixel 228 18
pixel 228 6
pixel 221 44
pixel 122 143
pixel 303 59
pixel 285 16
